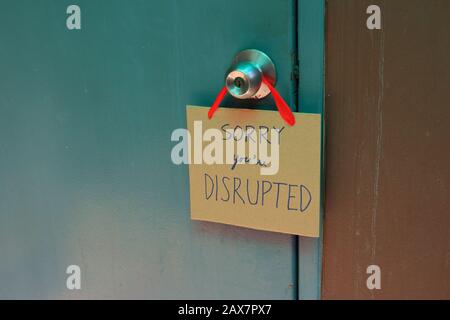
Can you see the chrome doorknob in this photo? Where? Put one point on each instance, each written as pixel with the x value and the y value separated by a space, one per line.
pixel 244 79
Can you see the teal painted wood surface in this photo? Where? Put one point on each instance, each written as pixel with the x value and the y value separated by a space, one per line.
pixel 311 33
pixel 85 171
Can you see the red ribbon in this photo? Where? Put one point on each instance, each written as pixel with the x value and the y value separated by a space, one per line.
pixel 216 103
pixel 282 106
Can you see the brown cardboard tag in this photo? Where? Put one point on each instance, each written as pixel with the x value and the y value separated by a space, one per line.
pixel 238 193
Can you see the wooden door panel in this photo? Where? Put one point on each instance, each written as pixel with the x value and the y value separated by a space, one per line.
pixel 85 173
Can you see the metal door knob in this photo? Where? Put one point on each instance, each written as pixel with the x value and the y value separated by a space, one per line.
pixel 244 79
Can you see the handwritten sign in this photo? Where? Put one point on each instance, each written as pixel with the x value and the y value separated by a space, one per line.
pixel 250 191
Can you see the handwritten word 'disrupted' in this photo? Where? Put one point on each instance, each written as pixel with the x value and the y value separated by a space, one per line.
pixel 257 193
pixel 229 145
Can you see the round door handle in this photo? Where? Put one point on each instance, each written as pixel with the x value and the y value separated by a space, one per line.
pixel 252 75
pixel 244 79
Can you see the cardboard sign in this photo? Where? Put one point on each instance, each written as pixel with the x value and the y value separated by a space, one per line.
pixel 281 197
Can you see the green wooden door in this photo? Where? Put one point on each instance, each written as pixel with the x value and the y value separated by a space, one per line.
pixel 85 172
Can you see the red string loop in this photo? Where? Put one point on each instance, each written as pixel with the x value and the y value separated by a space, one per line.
pixel 282 106
pixel 217 102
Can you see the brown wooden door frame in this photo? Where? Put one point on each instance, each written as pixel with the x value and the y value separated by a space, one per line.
pixel 387 155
